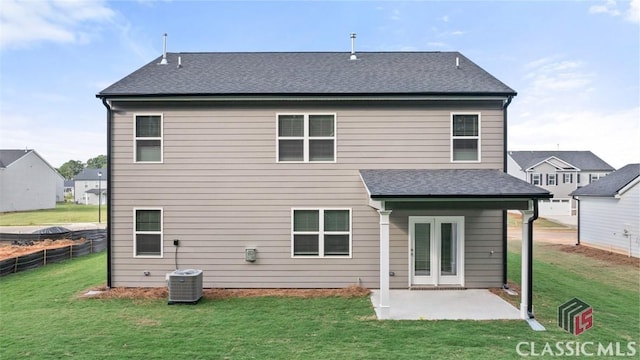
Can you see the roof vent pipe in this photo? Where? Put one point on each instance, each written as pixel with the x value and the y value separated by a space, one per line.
pixel 179 62
pixel 457 62
pixel 164 51
pixel 353 47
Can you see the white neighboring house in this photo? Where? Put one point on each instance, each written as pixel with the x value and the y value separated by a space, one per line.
pixel 560 172
pixel 28 182
pixel 88 184
pixel 609 212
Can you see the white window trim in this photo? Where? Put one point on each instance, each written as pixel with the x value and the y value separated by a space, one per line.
pixel 321 234
pixel 479 137
pixel 135 238
pixel 551 177
pixel 136 138
pixel 305 139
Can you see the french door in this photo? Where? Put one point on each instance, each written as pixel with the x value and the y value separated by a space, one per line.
pixel 436 250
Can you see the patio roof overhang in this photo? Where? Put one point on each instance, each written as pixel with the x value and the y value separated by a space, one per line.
pixel 485 185
pixel 454 188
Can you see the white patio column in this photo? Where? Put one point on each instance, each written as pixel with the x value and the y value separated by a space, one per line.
pixel 384 264
pixel 524 276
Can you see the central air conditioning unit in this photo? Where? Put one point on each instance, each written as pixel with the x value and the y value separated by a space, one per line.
pixel 185 286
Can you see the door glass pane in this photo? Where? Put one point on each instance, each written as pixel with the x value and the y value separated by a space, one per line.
pixel 448 249
pixel 422 249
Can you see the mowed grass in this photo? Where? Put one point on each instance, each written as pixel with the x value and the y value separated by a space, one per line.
pixel 62 214
pixel 42 317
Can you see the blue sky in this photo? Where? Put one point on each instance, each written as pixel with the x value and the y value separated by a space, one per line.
pixel 574 64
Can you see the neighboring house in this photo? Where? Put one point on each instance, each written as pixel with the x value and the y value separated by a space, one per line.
pixel 28 182
pixel 609 212
pixel 560 172
pixel 88 184
pixel 69 189
pixel 387 171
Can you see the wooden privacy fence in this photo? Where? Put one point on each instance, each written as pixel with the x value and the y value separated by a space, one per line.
pixel 96 242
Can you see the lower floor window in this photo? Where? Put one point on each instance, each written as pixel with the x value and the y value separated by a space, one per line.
pixel 321 232
pixel 148 232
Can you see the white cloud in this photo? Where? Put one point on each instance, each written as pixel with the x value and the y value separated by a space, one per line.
pixel 557 109
pixel 395 15
pixel 445 18
pixel 612 136
pixel 64 21
pixel 610 7
pixel 56 144
pixel 633 14
pixel 553 77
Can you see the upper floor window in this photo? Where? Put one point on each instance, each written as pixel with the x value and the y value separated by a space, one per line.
pixel 536 179
pixel 465 137
pixel 306 138
pixel 148 232
pixel 595 177
pixel 148 138
pixel 567 178
pixel 552 179
pixel 321 232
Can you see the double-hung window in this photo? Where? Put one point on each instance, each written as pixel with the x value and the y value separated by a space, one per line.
pixel 552 179
pixel 306 138
pixel 465 137
pixel 536 179
pixel 148 138
pixel 567 178
pixel 321 232
pixel 147 233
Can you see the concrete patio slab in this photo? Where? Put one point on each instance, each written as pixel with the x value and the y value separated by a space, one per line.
pixel 471 304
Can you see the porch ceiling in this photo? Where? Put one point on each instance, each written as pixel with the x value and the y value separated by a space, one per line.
pixel 442 184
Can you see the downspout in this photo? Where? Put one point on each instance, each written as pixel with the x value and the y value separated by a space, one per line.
pixel 530 260
pixel 109 192
pixel 505 285
pixel 578 229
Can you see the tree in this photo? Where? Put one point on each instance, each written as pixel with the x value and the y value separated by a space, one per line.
pixel 71 168
pixel 98 162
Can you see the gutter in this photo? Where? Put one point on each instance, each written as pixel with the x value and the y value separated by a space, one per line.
pixel 109 192
pixel 579 212
pixel 530 260
pixel 505 284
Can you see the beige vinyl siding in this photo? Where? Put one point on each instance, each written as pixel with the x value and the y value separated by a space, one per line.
pixel 222 190
pixel 483 234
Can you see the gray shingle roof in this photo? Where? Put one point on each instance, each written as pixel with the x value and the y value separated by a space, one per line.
pixel 91 174
pixel 583 160
pixel 448 183
pixel 7 157
pixel 312 73
pixel 611 184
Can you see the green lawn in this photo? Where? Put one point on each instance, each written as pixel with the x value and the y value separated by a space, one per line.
pixel 42 317
pixel 64 213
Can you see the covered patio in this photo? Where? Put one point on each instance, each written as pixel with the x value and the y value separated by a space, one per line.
pixel 416 192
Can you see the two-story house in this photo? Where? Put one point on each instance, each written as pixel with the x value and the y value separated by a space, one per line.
pixel 382 169
pixel 28 181
pixel 90 187
pixel 560 172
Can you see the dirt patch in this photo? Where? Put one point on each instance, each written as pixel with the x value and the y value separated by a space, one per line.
pixel 163 293
pixel 10 251
pixel 512 299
